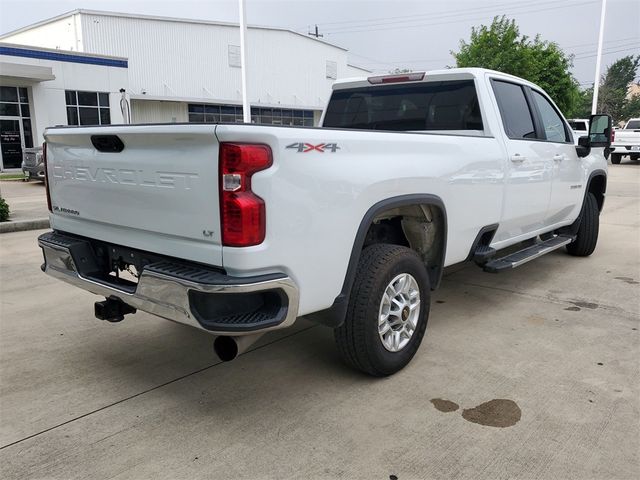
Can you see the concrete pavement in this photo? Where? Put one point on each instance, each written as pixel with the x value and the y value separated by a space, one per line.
pixel 558 338
pixel 27 204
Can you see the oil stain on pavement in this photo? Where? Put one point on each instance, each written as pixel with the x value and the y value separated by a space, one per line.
pixel 628 280
pixel 589 305
pixel 498 413
pixel 445 406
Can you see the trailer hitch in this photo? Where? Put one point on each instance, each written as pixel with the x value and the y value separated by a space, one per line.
pixel 112 309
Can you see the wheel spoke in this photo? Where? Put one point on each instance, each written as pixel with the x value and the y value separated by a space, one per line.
pixel 397 303
pixel 384 328
pixel 402 284
pixel 396 340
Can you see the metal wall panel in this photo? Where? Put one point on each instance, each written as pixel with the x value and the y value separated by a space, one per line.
pixel 63 34
pixel 151 111
pixel 191 60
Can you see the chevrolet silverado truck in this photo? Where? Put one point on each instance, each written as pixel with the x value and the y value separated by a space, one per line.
pixel 626 142
pixel 240 229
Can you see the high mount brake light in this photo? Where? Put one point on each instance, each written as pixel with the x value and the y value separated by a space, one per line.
pixel 242 212
pixel 405 77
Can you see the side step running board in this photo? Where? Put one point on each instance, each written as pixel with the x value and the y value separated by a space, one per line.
pixel 527 254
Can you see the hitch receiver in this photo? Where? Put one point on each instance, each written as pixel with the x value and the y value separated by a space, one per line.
pixel 112 309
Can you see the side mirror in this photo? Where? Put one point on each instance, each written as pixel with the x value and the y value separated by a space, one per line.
pixel 600 131
pixel 583 148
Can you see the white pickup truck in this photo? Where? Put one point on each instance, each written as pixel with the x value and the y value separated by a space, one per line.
pixel 240 229
pixel 626 142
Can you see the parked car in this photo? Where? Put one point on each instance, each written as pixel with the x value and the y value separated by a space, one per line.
pixel 239 229
pixel 626 142
pixel 580 128
pixel 33 164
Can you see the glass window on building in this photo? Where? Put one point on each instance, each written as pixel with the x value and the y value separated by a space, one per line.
pixel 15 128
pixel 199 113
pixel 87 108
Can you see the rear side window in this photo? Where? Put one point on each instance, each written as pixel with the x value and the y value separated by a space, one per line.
pixel 450 105
pixel 632 125
pixel 551 120
pixel 514 109
pixel 577 125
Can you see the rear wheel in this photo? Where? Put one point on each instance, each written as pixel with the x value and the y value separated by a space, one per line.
pixel 388 310
pixel 635 156
pixel 616 158
pixel 587 236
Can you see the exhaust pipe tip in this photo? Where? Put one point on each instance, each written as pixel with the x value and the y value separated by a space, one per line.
pixel 226 348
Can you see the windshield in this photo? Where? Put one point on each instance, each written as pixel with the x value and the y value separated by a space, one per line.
pixel 447 105
pixel 632 125
pixel 578 125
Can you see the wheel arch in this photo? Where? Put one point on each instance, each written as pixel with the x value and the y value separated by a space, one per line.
pixel 334 315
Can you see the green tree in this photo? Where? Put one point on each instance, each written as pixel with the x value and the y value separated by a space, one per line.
pixel 632 108
pixel 501 47
pixel 613 95
pixel 583 106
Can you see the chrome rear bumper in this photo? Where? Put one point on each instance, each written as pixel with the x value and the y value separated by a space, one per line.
pixel 185 293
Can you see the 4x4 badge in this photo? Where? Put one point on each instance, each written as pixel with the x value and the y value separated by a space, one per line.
pixel 309 147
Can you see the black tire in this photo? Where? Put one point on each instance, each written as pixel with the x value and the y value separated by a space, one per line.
pixel 587 236
pixel 616 158
pixel 635 157
pixel 358 341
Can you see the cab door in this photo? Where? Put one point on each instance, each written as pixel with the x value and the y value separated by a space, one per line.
pixel 568 173
pixel 529 165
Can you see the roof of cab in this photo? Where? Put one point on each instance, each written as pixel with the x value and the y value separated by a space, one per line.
pixel 445 73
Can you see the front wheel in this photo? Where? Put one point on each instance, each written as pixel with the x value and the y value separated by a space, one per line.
pixel 616 158
pixel 388 310
pixel 587 236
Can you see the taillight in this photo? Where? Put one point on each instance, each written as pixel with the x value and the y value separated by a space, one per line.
pixel 613 135
pixel 46 175
pixel 242 212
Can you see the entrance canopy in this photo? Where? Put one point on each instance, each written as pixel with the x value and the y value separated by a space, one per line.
pixel 10 71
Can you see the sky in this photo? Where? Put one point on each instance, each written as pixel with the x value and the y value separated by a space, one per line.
pixel 382 35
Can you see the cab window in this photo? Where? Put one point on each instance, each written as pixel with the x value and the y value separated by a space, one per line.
pixel 514 110
pixel 554 128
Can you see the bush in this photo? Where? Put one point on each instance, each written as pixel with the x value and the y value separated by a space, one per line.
pixel 4 210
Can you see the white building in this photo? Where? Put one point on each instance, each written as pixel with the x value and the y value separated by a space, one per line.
pixel 173 70
pixel 41 87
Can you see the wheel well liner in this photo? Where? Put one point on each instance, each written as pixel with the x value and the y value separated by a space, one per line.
pixel 597 184
pixel 334 315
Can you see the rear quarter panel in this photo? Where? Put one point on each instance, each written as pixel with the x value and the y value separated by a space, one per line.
pixel 316 200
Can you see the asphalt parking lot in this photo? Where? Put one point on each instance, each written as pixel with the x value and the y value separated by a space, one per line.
pixel 555 344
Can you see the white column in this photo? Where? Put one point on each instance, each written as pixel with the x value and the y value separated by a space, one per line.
pixel 246 108
pixel 596 83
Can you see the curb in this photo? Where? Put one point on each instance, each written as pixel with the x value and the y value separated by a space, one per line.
pixel 24 225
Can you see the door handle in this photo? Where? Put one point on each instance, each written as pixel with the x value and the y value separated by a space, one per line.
pixel 558 158
pixel 517 158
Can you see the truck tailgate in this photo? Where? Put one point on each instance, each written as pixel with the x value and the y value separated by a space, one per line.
pixel 159 193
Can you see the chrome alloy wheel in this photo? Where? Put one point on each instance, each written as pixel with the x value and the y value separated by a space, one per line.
pixel 399 312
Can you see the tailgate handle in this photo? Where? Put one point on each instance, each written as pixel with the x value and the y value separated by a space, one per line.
pixel 107 143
